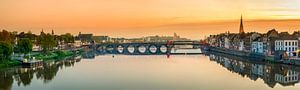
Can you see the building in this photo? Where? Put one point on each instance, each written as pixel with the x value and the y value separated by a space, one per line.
pixel 134 40
pixel 241 46
pixel 158 38
pixel 36 48
pixel 226 43
pixel 241 36
pixel 101 39
pixel 241 31
pixel 257 44
pixel 212 41
pixel 77 43
pixel 257 47
pixel 116 40
pixel 270 38
pixel 290 46
pixel 85 38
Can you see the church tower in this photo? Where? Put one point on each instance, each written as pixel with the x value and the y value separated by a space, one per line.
pixel 52 32
pixel 241 26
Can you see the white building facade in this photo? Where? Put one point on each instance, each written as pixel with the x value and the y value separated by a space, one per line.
pixel 227 43
pixel 290 46
pixel 289 77
pixel 241 46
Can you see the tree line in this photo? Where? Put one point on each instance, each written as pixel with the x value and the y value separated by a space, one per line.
pixel 14 42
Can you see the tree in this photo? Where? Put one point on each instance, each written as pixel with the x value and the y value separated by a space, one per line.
pixel 67 38
pixel 5 50
pixel 47 41
pixel 24 45
pixel 5 36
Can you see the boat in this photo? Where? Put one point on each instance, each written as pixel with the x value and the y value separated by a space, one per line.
pixel 31 62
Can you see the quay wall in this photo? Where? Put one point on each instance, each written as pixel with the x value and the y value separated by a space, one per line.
pixel 249 55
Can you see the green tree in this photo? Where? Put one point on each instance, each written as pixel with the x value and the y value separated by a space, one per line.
pixel 5 50
pixel 47 42
pixel 67 38
pixel 24 45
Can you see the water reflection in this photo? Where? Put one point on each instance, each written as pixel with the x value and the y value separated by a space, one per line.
pixel 24 76
pixel 271 74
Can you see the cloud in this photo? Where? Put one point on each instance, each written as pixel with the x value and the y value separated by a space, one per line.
pixel 279 9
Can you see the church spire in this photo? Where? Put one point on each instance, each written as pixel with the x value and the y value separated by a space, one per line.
pixel 241 26
pixel 52 32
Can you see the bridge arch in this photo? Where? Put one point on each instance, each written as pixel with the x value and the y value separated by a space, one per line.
pixel 153 49
pixel 142 49
pixel 110 49
pixel 163 49
pixel 120 49
pixel 101 49
pixel 131 49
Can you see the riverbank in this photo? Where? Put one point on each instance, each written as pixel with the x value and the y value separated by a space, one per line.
pixel 55 55
pixel 255 57
pixel 252 56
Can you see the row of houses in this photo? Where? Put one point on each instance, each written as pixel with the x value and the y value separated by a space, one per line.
pixel 262 43
pixel 281 45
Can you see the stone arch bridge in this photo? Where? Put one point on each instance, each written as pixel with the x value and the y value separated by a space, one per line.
pixel 149 48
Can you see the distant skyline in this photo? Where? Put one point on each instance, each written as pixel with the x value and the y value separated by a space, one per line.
pixel 137 18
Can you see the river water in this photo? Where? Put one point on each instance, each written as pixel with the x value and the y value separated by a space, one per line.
pixel 152 72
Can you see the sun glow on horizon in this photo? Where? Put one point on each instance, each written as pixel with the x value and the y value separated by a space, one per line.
pixel 142 17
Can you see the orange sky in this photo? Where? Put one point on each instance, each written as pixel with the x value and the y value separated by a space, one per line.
pixel 136 18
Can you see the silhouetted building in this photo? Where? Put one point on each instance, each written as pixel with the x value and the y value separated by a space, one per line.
pixel 85 38
pixel 241 26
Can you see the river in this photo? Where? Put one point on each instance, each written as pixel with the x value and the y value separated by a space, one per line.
pixel 152 72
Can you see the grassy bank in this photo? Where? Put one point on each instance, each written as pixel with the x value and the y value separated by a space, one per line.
pixel 56 55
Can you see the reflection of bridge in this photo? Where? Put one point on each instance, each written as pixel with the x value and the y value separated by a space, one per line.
pixel 149 48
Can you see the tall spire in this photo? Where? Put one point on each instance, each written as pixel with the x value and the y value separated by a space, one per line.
pixel 241 26
pixel 52 32
pixel 42 32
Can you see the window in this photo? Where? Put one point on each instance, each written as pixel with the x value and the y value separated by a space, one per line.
pixel 286 43
pixel 289 43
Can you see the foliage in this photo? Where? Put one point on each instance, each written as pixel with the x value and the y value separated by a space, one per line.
pixel 60 53
pixel 47 42
pixel 28 35
pixel 5 36
pixel 67 38
pixel 5 50
pixel 24 45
